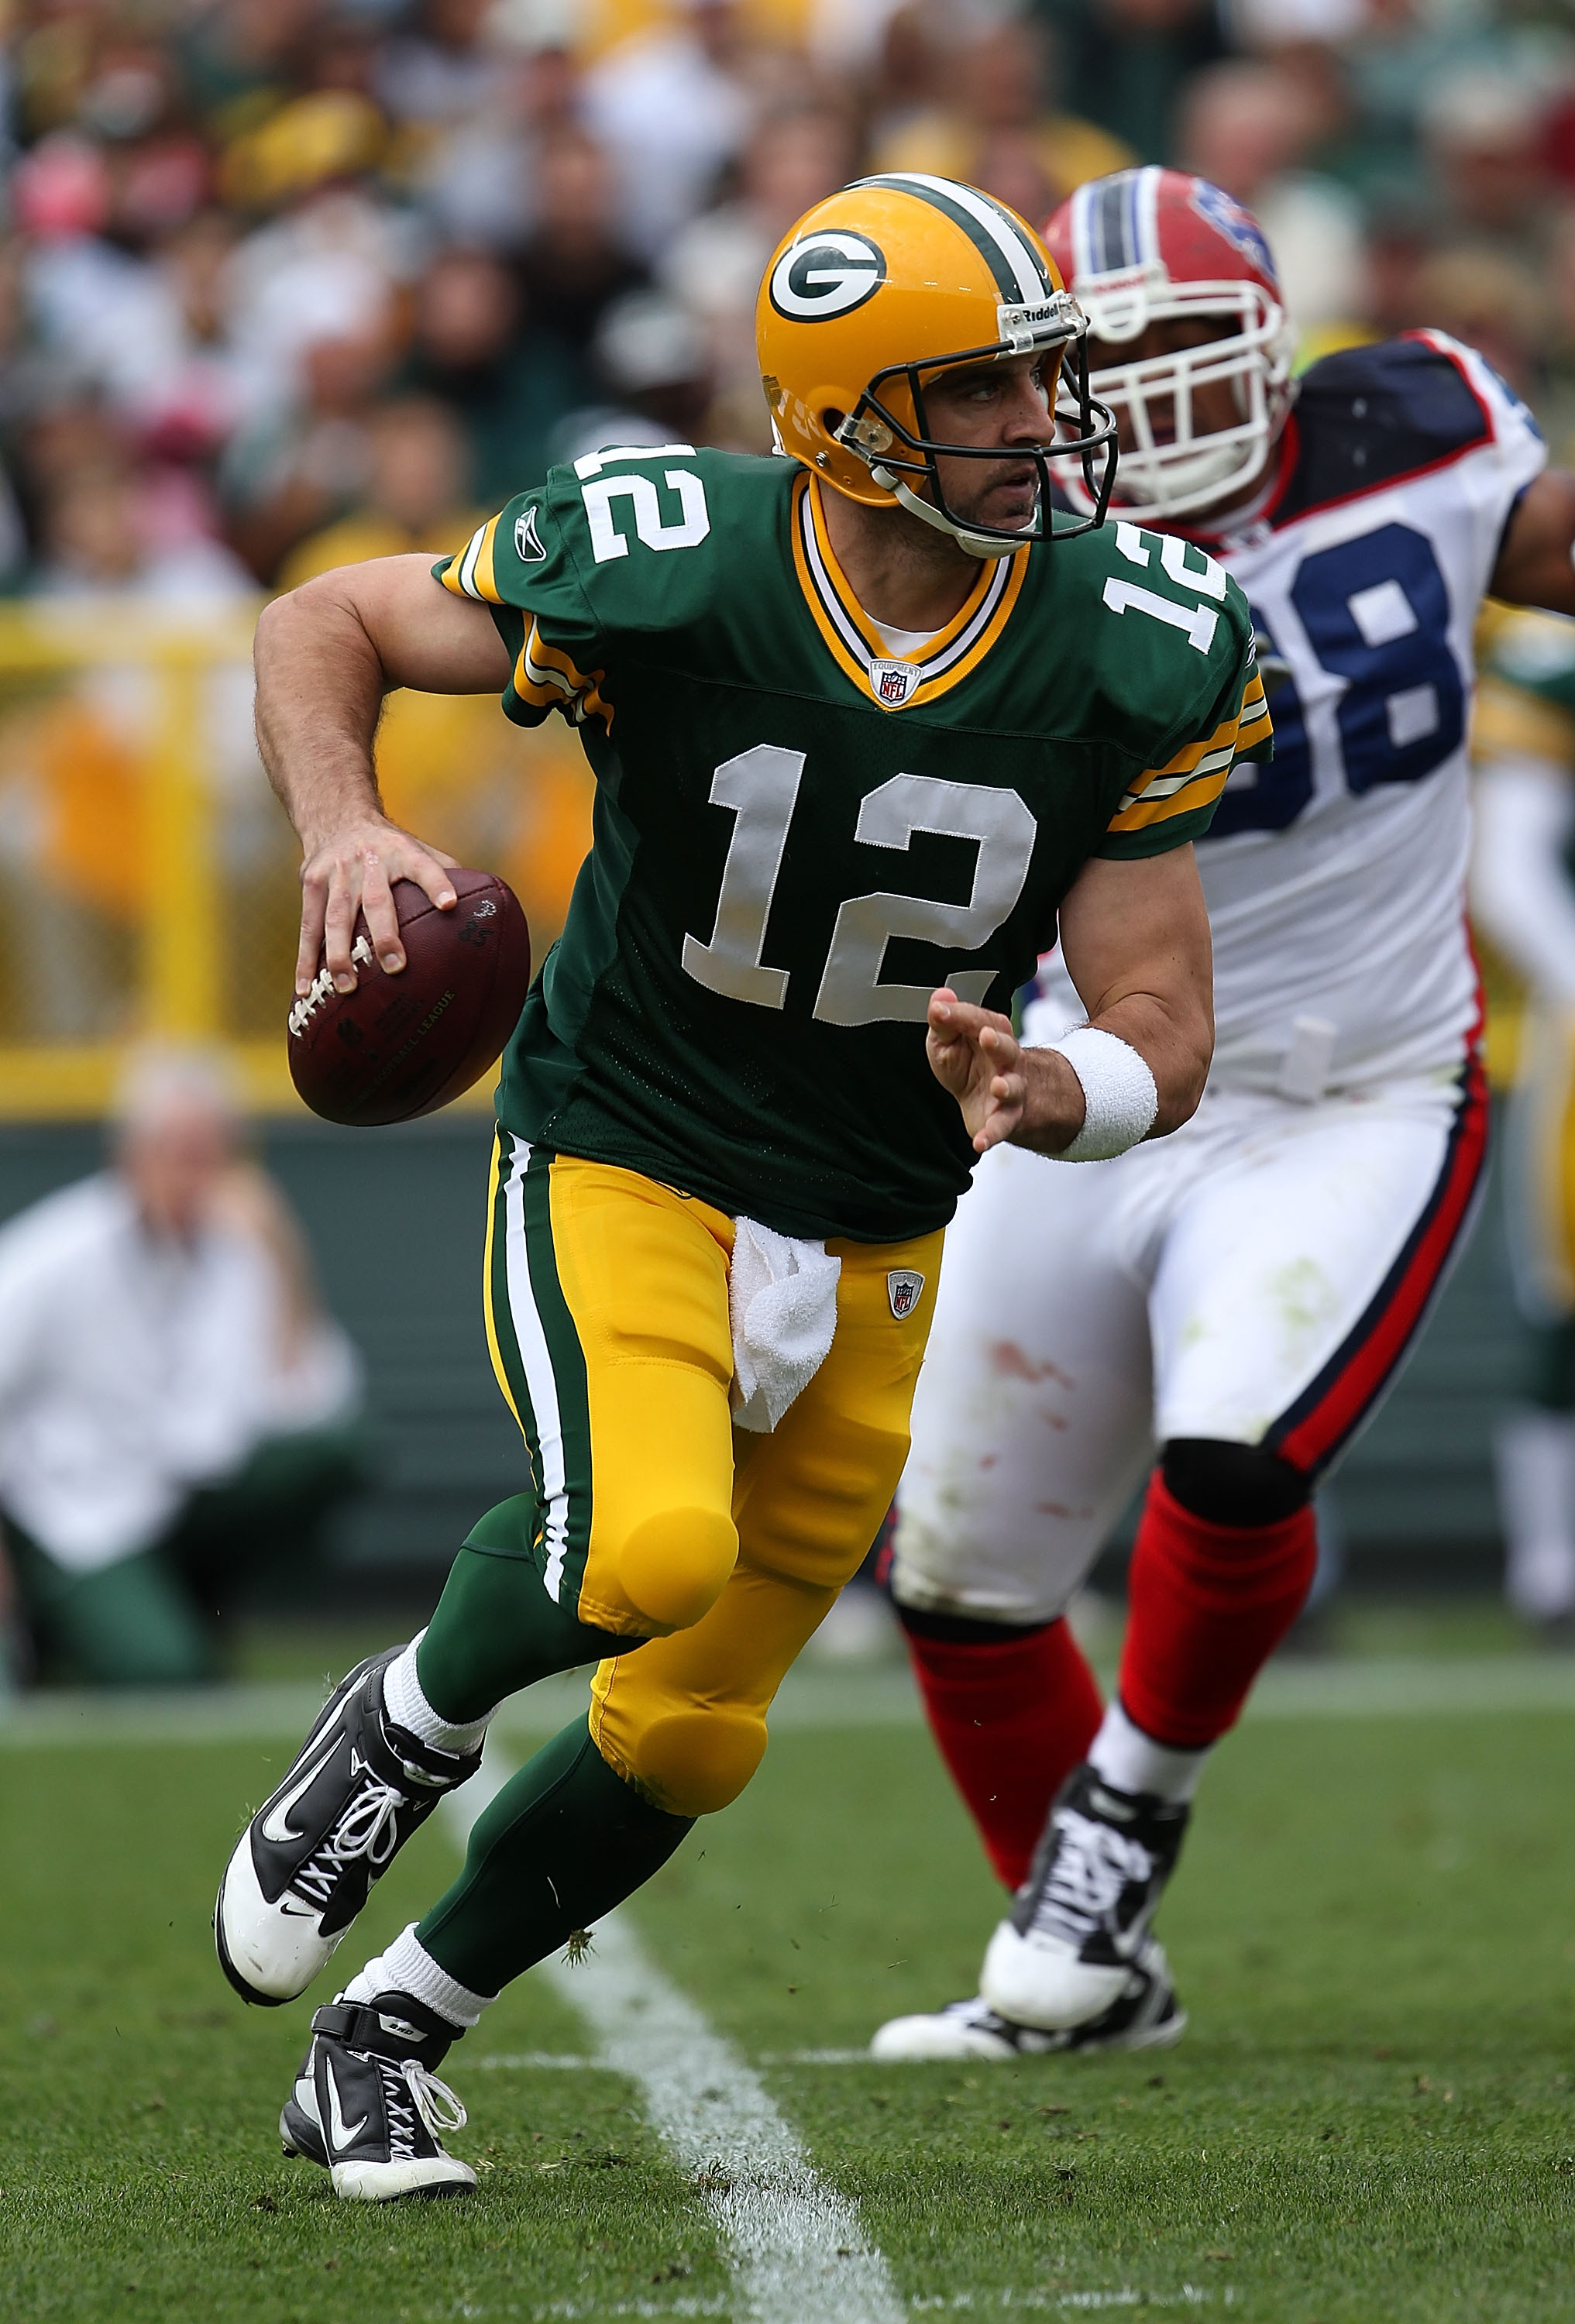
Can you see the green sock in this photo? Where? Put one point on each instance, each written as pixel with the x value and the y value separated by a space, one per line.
pixel 495 1629
pixel 564 1841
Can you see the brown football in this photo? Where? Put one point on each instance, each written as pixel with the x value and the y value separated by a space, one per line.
pixel 404 1045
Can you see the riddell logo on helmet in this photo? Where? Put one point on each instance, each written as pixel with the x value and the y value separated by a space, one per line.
pixel 829 273
pixel 1025 327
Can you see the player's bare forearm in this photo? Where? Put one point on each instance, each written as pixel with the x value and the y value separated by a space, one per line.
pixel 325 656
pixel 1175 1042
pixel 1534 566
pixel 1134 938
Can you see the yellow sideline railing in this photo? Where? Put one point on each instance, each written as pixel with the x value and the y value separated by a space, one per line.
pixel 188 973
pixel 182 982
pixel 178 978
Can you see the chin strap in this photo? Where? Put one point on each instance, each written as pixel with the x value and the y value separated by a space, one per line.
pixel 977 544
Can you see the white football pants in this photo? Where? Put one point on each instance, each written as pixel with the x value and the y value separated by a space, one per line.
pixel 1256 1278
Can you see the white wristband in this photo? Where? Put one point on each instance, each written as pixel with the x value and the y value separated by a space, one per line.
pixel 1118 1094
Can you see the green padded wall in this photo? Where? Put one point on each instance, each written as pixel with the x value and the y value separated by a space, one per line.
pixel 395 1218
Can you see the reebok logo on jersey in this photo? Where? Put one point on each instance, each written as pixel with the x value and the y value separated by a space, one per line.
pixel 528 547
pixel 904 1288
pixel 892 682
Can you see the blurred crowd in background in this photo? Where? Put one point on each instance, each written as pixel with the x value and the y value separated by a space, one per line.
pixel 288 282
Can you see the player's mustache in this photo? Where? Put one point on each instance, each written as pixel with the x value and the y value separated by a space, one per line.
pixel 1010 473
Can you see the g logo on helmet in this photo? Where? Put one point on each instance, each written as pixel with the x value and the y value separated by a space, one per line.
pixel 830 273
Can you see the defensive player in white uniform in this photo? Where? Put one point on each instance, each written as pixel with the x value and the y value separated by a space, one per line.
pixel 1237 1299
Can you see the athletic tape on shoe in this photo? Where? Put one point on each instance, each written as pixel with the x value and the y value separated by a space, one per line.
pixel 1120 1097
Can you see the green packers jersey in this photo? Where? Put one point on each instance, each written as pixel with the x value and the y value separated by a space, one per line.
pixel 798 836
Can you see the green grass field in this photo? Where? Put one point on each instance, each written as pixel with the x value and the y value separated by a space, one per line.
pixel 1370 2121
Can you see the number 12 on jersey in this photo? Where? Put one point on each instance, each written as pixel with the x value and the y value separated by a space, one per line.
pixel 761 786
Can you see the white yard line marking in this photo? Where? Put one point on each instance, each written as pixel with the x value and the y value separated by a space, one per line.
pixel 569 2308
pixel 531 2062
pixel 1408 1687
pixel 816 2057
pixel 1191 2295
pixel 1402 1687
pixel 521 2061
pixel 799 2253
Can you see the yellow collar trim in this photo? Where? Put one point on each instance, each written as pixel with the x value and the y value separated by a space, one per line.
pixel 894 682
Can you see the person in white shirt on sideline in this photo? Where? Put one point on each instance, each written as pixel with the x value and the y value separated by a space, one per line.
pixel 176 1410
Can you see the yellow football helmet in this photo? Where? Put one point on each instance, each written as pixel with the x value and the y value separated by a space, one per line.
pixel 891 280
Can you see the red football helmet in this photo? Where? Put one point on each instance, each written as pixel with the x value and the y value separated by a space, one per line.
pixel 1156 245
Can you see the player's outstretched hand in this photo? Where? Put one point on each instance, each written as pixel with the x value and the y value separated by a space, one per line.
pixel 353 871
pixel 974 1054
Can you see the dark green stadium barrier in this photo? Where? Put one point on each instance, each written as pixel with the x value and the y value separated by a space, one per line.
pixel 395 1222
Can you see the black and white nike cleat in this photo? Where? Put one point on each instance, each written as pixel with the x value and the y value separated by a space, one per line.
pixel 368 2106
pixel 1145 2015
pixel 305 1865
pixel 1079 1921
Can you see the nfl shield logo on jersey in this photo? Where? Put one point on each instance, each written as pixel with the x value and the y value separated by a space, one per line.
pixel 903 1288
pixel 892 682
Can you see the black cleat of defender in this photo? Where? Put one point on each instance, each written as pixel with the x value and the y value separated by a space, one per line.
pixel 304 1866
pixel 1079 1921
pixel 368 2106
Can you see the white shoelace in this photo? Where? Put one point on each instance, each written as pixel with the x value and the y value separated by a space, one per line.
pixel 369 1829
pixel 301 1014
pixel 1090 1868
pixel 410 2088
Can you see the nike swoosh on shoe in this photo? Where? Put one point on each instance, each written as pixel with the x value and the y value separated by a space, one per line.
pixel 276 1825
pixel 341 2133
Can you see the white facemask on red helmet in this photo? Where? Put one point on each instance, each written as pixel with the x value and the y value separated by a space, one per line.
pixel 1157 247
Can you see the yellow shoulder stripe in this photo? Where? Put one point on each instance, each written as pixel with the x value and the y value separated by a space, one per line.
pixel 481 578
pixel 549 679
pixel 1255 723
pixel 1196 776
pixel 470 574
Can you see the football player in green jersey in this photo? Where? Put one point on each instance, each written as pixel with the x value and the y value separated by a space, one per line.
pixel 865 722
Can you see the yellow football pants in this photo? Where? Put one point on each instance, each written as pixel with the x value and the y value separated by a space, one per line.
pixel 607 1316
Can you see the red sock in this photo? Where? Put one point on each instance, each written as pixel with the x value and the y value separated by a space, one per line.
pixel 1207 1605
pixel 1012 1718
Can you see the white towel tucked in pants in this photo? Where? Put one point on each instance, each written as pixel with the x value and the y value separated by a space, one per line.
pixel 782 1301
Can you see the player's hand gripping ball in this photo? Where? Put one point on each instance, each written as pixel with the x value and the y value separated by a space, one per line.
pixel 404 1045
